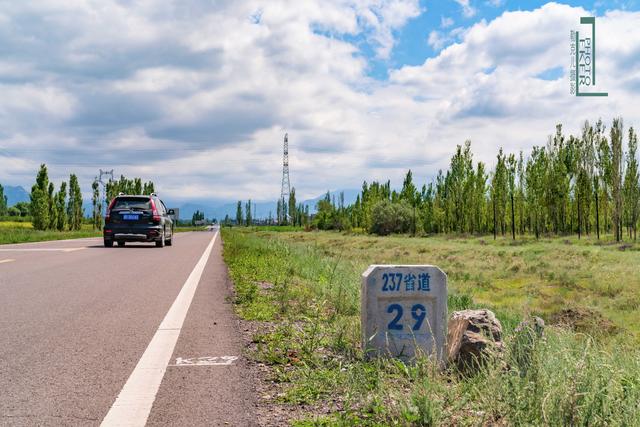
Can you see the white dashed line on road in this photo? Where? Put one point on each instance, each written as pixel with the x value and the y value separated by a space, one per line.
pixel 3 261
pixel 134 403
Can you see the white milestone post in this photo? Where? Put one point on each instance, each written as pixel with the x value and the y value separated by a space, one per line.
pixel 404 311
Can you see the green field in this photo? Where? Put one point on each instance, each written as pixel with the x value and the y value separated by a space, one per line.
pixel 302 290
pixel 21 232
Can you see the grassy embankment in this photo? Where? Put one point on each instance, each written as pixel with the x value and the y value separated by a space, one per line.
pixel 22 232
pixel 305 288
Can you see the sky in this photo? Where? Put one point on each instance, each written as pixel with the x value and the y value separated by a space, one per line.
pixel 197 95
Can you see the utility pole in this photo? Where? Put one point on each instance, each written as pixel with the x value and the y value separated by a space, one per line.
pixel 286 186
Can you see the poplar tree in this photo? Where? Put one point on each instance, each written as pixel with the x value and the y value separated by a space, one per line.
pixel 74 206
pixel 148 188
pixel 239 213
pixel 632 186
pixel 53 214
pixel 511 178
pixel 521 191
pixel 39 200
pixel 61 214
pixel 3 202
pixel 97 206
pixel 616 176
pixel 248 216
pixel 291 208
pixel 499 193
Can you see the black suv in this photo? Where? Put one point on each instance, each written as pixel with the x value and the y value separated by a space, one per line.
pixel 138 219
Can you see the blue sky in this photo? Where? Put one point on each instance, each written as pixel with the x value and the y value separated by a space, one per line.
pixel 197 95
pixel 411 47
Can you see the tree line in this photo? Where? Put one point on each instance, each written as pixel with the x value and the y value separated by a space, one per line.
pixel 112 189
pixel 4 203
pixel 288 212
pixel 197 217
pixel 62 210
pixel 51 210
pixel 574 184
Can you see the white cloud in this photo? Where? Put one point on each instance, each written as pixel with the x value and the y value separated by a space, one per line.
pixel 445 22
pixel 467 9
pixel 436 40
pixel 198 97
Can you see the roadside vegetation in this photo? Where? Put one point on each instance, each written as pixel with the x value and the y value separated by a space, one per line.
pixel 302 290
pixel 51 215
pixel 185 228
pixel 582 185
pixel 23 232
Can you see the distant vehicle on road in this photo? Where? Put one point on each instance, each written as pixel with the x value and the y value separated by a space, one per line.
pixel 135 218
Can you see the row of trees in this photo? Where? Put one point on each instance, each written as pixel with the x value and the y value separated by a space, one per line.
pixel 287 213
pixel 51 210
pixel 197 217
pixel 62 209
pixel 4 203
pixel 580 184
pixel 112 189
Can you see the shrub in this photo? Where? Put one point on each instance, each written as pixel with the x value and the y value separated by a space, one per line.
pixel 388 217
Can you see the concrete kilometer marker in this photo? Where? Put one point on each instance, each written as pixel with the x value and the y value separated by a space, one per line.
pixel 404 311
pixel 134 403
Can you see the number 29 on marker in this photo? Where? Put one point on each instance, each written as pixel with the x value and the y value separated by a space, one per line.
pixel 398 321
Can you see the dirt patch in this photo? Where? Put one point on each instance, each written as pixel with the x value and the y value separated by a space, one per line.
pixel 585 320
pixel 265 285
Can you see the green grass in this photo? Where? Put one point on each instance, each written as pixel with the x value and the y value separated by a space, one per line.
pixel 306 286
pixel 14 219
pixel 184 229
pixel 22 232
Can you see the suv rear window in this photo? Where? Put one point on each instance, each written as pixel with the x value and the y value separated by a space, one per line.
pixel 132 203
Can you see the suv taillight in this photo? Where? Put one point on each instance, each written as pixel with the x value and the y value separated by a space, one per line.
pixel 156 216
pixel 107 217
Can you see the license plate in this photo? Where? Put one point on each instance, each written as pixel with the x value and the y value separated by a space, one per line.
pixel 130 217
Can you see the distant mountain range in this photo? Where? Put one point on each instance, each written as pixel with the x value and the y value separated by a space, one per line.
pixel 211 209
pixel 16 195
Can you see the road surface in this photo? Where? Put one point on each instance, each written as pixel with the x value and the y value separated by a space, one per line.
pixel 120 336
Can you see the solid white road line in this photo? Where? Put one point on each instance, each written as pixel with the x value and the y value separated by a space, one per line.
pixel 133 405
pixel 3 261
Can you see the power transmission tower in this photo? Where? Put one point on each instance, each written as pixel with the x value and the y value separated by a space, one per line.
pixel 286 186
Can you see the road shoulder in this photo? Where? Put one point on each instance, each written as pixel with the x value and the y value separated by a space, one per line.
pixel 199 387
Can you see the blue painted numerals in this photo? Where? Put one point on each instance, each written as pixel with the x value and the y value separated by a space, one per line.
pixel 394 282
pixel 418 313
pixel 394 325
pixel 391 282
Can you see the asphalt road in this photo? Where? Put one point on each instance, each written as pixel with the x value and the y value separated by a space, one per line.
pixel 120 336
